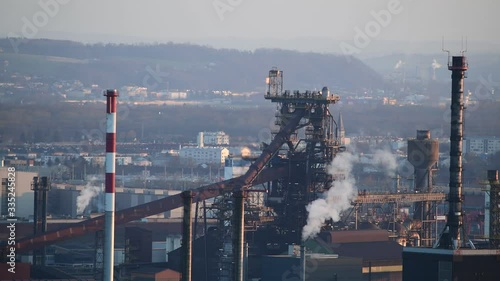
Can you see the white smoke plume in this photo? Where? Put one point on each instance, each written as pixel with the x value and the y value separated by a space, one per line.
pixel 435 64
pixel 83 200
pixel 398 64
pixel 337 199
pixel 385 160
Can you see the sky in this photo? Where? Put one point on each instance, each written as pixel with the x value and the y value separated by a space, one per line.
pixel 320 25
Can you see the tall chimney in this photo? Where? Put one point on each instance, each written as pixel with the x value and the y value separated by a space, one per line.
pixel 187 235
pixel 238 234
pixel 451 238
pixel 109 207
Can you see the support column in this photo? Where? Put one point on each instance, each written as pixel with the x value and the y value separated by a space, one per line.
pixel 239 233
pixel 187 235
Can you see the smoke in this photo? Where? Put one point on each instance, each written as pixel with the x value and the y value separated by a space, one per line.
pixel 337 199
pixel 398 64
pixel 83 200
pixel 435 64
pixel 385 160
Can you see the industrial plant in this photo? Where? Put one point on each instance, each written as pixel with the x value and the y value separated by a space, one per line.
pixel 292 211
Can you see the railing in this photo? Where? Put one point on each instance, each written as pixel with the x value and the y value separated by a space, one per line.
pixel 399 198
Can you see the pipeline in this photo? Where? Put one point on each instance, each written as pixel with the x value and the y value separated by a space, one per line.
pixel 187 235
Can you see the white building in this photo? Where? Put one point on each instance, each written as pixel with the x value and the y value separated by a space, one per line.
pixel 213 138
pixel 481 145
pixel 176 95
pixel 23 193
pixel 203 155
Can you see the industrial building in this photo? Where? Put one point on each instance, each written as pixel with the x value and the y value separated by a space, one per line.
pixel 63 199
pixel 23 190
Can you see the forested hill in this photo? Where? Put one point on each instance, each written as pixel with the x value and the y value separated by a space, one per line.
pixel 183 65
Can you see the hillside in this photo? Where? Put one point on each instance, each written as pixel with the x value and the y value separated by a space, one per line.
pixel 184 66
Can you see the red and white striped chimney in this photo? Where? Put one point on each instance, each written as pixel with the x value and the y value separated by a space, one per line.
pixel 109 206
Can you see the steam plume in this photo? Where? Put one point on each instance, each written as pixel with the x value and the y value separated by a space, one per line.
pixel 83 200
pixel 435 64
pixel 386 160
pixel 398 64
pixel 337 199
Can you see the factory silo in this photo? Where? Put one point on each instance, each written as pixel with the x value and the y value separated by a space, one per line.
pixel 423 154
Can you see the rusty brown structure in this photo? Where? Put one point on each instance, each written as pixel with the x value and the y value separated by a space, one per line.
pixel 423 154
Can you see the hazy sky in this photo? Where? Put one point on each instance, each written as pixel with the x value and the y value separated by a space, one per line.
pixel 199 20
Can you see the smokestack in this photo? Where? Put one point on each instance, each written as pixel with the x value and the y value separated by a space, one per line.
pixel 238 234
pixel 187 234
pixel 452 239
pixel 40 187
pixel 109 207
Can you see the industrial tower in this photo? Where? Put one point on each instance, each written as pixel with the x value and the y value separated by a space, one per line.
pixel 452 235
pixel 305 114
pixel 453 257
pixel 306 156
pixel 423 154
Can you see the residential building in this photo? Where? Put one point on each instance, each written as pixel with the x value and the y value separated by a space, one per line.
pixel 481 145
pixel 213 138
pixel 203 155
